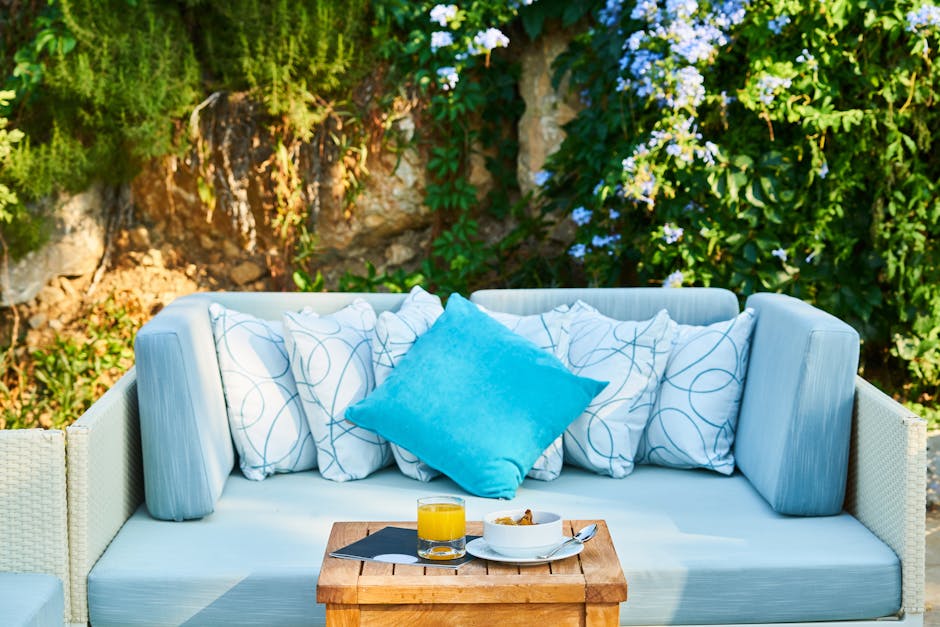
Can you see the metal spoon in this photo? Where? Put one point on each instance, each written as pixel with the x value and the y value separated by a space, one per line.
pixel 579 538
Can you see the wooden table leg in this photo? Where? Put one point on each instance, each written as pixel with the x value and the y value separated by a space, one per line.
pixel 602 614
pixel 342 615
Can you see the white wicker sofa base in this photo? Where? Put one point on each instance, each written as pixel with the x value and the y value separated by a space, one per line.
pixel 695 546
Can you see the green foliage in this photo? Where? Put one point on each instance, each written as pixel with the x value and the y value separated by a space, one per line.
pixel 454 56
pixel 806 167
pixel 103 86
pixel 293 56
pixel 53 385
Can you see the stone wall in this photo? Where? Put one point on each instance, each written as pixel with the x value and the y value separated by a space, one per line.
pixel 219 204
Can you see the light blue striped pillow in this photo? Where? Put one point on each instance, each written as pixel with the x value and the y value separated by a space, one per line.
pixel 268 425
pixel 331 358
pixel 696 413
pixel 395 334
pixel 632 356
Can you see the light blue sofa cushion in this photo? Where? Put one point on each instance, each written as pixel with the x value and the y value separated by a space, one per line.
pixel 31 600
pixel 686 560
pixel 794 425
pixel 688 305
pixel 268 425
pixel 331 357
pixel 475 401
pixel 185 438
pixel 694 417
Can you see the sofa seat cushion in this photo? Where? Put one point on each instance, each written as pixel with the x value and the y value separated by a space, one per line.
pixel 31 600
pixel 696 548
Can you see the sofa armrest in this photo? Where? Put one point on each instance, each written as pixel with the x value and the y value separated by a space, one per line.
pixel 105 481
pixel 887 482
pixel 33 504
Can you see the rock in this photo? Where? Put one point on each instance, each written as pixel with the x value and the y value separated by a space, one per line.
pixel 37 320
pixel 153 257
pixel 74 248
pixel 206 242
pixel 230 250
pixel 56 325
pixel 546 109
pixel 397 254
pixel 140 237
pixel 50 295
pixel 246 272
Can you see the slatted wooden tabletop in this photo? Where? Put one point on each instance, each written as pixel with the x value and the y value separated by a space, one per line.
pixel 582 590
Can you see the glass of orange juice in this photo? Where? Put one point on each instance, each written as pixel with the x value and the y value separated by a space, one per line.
pixel 442 528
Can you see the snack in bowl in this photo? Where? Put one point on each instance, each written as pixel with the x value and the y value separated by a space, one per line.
pixel 520 540
pixel 509 520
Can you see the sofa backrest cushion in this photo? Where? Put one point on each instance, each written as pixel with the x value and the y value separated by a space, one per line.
pixel 687 305
pixel 794 425
pixel 186 443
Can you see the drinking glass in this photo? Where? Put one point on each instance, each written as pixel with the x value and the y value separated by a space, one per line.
pixel 442 528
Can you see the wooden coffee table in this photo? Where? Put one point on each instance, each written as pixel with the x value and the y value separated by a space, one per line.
pixel 586 589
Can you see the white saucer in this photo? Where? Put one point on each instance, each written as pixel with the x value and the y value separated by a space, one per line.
pixel 479 548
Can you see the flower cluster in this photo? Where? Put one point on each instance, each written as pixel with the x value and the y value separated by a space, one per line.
pixel 768 86
pixel 479 42
pixel 672 233
pixel 926 17
pixel 776 24
pixel 681 31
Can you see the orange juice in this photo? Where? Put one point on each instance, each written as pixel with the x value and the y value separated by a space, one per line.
pixel 442 528
pixel 441 521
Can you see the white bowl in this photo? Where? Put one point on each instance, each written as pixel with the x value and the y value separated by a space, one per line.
pixel 523 541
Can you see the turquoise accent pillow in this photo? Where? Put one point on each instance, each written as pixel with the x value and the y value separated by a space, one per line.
pixel 475 401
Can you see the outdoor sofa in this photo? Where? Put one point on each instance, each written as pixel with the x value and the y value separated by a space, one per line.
pixel 822 519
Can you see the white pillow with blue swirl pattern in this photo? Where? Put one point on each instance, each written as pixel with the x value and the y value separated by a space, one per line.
pixel 548 331
pixel 693 422
pixel 395 334
pixel 268 425
pixel 331 358
pixel 632 356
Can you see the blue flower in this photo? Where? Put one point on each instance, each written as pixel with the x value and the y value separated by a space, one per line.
pixel 604 241
pixel 541 177
pixel 779 253
pixel 581 216
pixel 614 214
pixel 672 233
pixel 776 25
pixel 824 170
pixel 443 13
pixel 926 16
pixel 441 39
pixel 769 85
pixel 485 41
pixel 674 280
pixel 577 251
pixel 806 57
pixel 449 77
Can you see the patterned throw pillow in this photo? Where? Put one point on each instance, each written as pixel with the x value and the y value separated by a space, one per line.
pixel 395 334
pixel 694 419
pixel 268 426
pixel 548 331
pixel 476 401
pixel 630 355
pixel 331 358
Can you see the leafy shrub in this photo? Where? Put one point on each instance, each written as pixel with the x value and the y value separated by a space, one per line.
pixel 764 146
pixel 293 56
pixel 52 386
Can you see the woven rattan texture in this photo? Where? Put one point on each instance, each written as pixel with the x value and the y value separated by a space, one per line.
pixel 105 481
pixel 33 504
pixel 887 483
